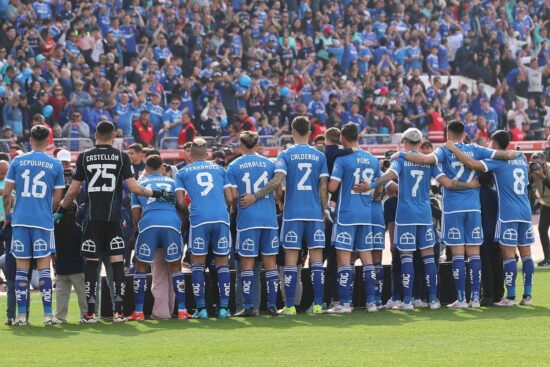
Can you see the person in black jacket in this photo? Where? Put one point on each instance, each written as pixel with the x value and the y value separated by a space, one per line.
pixel 491 262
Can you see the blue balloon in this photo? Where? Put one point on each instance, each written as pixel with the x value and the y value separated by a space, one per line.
pixel 284 91
pixel 223 123
pixel 2 91
pixel 245 81
pixel 47 111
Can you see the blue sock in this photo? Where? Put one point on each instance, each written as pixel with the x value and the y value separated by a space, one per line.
pixel 22 291
pixel 395 277
pixel 224 284
pixel 418 284
pixel 528 273
pixel 291 277
pixel 459 270
pixel 178 284
pixel 369 279
pixel 430 272
pixel 407 276
pixel 272 280
pixel 510 273
pixel 197 278
pixel 351 282
pixel 247 280
pixel 45 284
pixel 344 284
pixel 318 281
pixel 139 290
pixel 475 276
pixel 379 283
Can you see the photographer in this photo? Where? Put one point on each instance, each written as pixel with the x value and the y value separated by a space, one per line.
pixel 540 175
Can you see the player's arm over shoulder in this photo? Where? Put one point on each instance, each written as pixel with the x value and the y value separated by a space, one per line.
pixel 420 158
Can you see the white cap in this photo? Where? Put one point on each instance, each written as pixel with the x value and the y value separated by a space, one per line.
pixel 64 155
pixel 413 135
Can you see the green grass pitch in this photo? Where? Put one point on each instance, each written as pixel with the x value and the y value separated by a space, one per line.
pixel 486 337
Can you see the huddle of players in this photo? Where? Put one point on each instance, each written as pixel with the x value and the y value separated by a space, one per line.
pixel 252 185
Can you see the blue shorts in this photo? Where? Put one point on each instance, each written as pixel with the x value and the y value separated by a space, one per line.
pixel 411 237
pixel 32 243
pixel 378 237
pixel 352 238
pixel 210 235
pixel 464 228
pixel 152 239
pixel 514 233
pixel 294 232
pixel 250 242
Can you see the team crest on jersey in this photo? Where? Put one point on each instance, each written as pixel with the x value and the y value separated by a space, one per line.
pixel 429 235
pixel 40 245
pixel 291 237
pixel 453 233
pixel 344 238
pixel 247 245
pixel 476 233
pixel 17 246
pixel 198 243
pixel 144 250
pixel 172 249
pixel 319 236
pixel 275 242
pixel 530 234
pixel 378 239
pixel 223 242
pixel 510 234
pixel 117 243
pixel 407 238
pixel 88 246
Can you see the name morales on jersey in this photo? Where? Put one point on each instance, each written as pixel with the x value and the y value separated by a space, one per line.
pixel 411 164
pixel 102 157
pixel 34 163
pixel 304 156
pixel 252 165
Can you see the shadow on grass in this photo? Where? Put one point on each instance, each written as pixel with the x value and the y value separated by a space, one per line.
pixel 357 318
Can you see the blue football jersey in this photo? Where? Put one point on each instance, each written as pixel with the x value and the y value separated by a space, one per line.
pixel 204 182
pixel 460 200
pixel 511 178
pixel 248 174
pixel 157 213
pixel 303 165
pixel 413 201
pixel 360 166
pixel 35 176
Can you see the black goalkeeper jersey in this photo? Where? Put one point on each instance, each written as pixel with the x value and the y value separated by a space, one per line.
pixel 102 169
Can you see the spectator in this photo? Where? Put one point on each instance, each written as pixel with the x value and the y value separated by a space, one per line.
pixel 97 114
pixel 58 101
pixel 80 98
pixel 135 152
pixel 188 131
pixel 143 130
pixel 517 133
pixel 8 139
pixel 75 130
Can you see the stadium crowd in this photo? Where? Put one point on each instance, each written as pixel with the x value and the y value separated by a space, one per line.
pixel 167 72
pixel 176 69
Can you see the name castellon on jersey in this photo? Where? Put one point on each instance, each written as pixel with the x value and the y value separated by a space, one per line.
pixel 102 157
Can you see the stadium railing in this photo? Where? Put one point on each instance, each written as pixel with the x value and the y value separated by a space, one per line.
pixel 172 142
pixel 74 145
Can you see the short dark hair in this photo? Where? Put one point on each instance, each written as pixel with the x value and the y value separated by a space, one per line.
pixel 105 129
pixel 154 162
pixel 350 132
pixel 39 133
pixel 38 117
pixel 486 178
pixel 151 152
pixel 332 135
pixel 456 127
pixel 137 147
pixel 301 124
pixel 502 138
pixel 4 157
pixel 249 139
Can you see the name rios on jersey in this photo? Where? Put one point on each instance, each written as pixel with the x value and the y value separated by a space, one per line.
pixel 102 157
pixel 33 163
pixel 361 160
